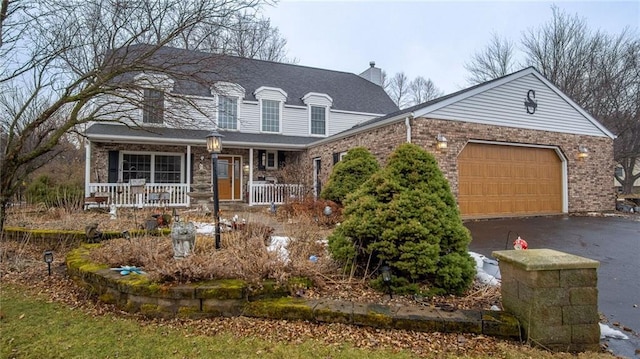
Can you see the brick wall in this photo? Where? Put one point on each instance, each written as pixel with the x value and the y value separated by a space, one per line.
pixel 589 180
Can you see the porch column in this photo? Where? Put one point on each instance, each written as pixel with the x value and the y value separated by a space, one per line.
pixel 87 168
pixel 250 176
pixel 188 179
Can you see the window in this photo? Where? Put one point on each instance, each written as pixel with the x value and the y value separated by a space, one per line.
pixel 271 160
pixel 318 120
pixel 228 112
pixel 153 106
pixel 166 168
pixel 270 116
pixel 136 166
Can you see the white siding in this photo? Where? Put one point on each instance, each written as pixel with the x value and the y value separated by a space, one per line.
pixel 340 121
pixel 295 122
pixel 249 117
pixel 504 106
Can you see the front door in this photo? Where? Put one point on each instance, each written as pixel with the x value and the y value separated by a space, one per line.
pixel 229 178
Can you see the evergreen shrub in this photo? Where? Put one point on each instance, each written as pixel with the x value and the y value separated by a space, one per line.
pixel 348 174
pixel 406 217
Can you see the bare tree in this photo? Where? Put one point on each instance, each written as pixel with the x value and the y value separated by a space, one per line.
pixel 423 90
pixel 243 34
pixel 599 71
pixel 398 90
pixel 495 60
pixel 58 57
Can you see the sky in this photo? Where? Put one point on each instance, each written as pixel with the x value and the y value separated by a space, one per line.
pixel 425 38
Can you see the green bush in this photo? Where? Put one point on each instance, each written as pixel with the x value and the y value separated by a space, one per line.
pixel 354 169
pixel 45 191
pixel 406 217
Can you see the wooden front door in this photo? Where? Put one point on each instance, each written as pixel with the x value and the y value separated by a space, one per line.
pixel 229 181
pixel 497 181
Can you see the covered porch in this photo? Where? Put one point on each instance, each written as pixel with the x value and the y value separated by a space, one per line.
pixel 156 169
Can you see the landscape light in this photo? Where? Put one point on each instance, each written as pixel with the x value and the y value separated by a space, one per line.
pixel 48 258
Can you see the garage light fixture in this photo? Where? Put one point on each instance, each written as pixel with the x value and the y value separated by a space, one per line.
pixel 583 152
pixel 441 143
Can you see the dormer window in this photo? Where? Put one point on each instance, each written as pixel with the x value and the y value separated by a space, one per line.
pixel 318 116
pixel 319 105
pixel 153 106
pixel 228 112
pixel 270 116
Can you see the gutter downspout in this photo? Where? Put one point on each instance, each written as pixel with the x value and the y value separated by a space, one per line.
pixel 407 123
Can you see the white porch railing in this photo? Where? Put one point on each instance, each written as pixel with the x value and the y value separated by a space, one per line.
pixel 152 195
pixel 268 193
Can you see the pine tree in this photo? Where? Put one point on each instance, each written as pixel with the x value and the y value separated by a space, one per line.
pixel 354 169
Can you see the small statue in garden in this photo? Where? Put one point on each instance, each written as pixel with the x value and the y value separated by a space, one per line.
pixel 183 237
pixel 92 233
pixel 113 211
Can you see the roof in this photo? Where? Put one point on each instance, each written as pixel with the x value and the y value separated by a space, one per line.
pixel 195 72
pixel 162 135
pixel 423 109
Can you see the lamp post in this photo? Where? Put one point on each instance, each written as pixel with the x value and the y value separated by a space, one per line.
pixel 214 146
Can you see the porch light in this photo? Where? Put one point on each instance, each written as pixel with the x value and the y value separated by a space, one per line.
pixel 214 142
pixel 583 152
pixel 48 258
pixel 441 142
pixel 214 146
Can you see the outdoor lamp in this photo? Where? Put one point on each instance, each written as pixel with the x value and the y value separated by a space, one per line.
pixel 126 235
pixel 441 143
pixel 386 278
pixel 583 152
pixel 214 142
pixel 48 258
pixel 214 146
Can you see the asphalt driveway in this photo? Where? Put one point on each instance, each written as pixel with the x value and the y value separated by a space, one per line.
pixel 614 241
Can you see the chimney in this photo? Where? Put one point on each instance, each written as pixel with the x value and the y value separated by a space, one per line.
pixel 373 74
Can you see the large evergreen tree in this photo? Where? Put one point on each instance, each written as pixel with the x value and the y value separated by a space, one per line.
pixel 406 217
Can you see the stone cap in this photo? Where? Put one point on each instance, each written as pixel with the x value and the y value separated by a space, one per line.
pixel 544 259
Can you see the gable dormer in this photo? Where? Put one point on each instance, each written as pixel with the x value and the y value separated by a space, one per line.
pixel 228 97
pixel 318 109
pixel 271 101
pixel 154 86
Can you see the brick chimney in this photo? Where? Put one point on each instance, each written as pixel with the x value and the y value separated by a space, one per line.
pixel 373 74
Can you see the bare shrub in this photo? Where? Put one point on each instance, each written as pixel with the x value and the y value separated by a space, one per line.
pixel 313 209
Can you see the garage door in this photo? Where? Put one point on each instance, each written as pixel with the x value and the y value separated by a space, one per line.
pixel 496 180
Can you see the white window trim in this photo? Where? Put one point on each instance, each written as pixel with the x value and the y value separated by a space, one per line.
pixel 279 116
pixel 326 120
pixel 153 163
pixel 238 102
pixel 275 160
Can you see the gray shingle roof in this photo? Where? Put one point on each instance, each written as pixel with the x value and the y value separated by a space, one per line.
pixel 195 72
pixel 102 132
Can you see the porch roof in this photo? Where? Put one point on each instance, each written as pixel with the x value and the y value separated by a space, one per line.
pixel 115 133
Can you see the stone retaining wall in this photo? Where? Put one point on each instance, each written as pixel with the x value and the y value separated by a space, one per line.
pixel 136 294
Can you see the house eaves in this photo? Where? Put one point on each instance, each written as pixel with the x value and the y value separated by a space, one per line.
pixel 100 132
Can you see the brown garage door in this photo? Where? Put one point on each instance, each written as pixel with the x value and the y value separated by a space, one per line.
pixel 497 181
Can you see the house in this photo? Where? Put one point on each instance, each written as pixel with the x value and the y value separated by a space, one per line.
pixel 513 146
pixel 268 113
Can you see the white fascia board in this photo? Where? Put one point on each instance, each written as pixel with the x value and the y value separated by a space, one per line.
pixel 316 94
pixel 352 131
pixel 266 88
pixel 296 106
pixel 197 142
pixel 358 113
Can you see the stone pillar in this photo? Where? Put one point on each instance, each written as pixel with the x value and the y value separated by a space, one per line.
pixel 554 295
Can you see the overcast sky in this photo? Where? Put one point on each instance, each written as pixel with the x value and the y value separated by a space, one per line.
pixel 432 39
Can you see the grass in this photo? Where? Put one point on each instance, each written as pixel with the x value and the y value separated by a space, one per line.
pixel 31 327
